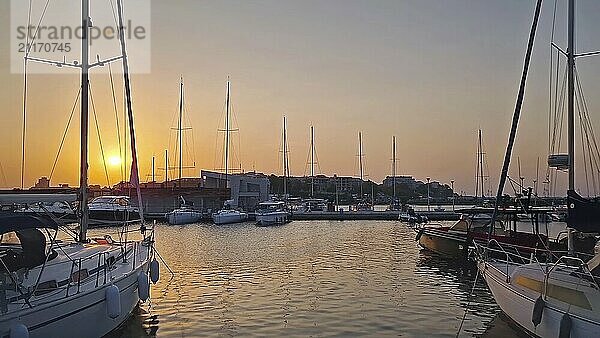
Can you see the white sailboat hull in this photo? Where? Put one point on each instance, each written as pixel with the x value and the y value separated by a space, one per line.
pixel 518 305
pixel 178 217
pixel 230 217
pixel 84 311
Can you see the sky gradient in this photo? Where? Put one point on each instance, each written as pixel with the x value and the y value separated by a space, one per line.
pixel 429 72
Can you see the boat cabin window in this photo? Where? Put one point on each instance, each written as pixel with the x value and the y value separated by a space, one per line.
pixel 122 202
pixel 23 249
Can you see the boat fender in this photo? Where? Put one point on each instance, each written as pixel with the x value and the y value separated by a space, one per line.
pixel 419 234
pixel 565 326
pixel 113 301
pixel 143 286
pixel 18 330
pixel 154 271
pixel 538 310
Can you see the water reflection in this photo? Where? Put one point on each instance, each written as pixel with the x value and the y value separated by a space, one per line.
pixel 308 279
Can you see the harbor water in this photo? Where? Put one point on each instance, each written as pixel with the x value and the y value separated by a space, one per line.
pixel 354 278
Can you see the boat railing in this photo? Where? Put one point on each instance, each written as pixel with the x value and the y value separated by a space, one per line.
pixel 576 263
pixel 80 272
pixel 509 257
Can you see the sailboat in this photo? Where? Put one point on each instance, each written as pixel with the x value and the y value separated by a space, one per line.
pixel 395 204
pixel 228 214
pixel 276 212
pixel 555 297
pixel 84 288
pixel 363 204
pixel 185 214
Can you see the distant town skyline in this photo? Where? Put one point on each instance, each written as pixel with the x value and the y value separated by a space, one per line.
pixel 430 73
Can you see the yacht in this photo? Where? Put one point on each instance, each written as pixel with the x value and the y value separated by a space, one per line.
pixel 108 210
pixel 272 213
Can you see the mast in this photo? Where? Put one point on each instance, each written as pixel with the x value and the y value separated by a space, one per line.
pixel 571 107
pixel 83 170
pixel 227 112
pixel 516 115
pixel 180 129
pixel 394 168
pixel 134 176
pixel 153 177
pixel 312 161
pixel 285 160
pixel 166 165
pixel 481 172
pixel 360 162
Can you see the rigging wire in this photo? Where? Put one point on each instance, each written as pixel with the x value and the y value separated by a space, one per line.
pixel 62 142
pixel 99 137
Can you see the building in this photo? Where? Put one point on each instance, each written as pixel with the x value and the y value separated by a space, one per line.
pixel 247 189
pixel 42 183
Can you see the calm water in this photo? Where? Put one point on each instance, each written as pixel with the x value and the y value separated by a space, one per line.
pixel 310 279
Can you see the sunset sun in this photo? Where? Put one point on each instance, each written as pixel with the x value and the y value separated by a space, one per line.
pixel 114 161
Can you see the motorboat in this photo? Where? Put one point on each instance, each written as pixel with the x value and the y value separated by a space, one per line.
pixel 111 210
pixel 272 213
pixel 455 240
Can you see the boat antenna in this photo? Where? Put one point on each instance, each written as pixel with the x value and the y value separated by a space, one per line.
pixel 516 116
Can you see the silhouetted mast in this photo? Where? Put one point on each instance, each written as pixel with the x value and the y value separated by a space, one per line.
pixel 180 129
pixel 360 162
pixel 312 161
pixel 394 166
pixel 83 170
pixel 285 159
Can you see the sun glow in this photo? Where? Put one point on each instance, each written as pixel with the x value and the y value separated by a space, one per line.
pixel 114 161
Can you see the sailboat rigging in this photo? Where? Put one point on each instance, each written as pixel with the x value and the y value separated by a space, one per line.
pixel 541 294
pixel 106 302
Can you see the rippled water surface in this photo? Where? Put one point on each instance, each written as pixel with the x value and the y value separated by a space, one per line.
pixel 310 279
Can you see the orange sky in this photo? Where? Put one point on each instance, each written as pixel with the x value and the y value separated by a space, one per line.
pixel 429 72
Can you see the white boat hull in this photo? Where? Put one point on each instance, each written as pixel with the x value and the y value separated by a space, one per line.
pixel 272 218
pixel 518 305
pixel 80 314
pixel 183 217
pixel 229 218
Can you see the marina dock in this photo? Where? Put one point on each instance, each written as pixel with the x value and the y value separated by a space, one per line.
pixel 371 215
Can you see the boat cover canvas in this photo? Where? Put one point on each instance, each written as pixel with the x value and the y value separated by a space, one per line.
pixel 15 222
pixel 583 213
